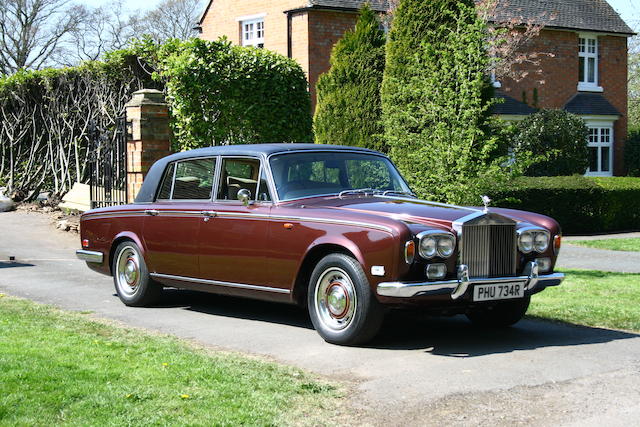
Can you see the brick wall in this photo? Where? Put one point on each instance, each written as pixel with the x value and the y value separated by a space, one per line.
pixel 612 71
pixel 558 81
pixel 313 32
pixel 221 20
pixel 325 29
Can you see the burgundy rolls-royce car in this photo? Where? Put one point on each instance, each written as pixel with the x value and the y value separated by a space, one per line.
pixel 334 228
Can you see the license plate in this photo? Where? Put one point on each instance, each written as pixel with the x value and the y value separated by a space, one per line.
pixel 499 291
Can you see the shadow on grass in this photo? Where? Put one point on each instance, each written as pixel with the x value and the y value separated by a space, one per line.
pixel 404 330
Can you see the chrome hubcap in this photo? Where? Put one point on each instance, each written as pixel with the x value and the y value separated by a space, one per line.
pixel 335 299
pixel 128 271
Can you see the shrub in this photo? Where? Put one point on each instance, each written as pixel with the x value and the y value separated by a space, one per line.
pixel 222 94
pixel 436 99
pixel 632 153
pixel 581 205
pixel 348 110
pixel 552 143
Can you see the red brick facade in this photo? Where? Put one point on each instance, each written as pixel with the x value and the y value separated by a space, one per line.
pixel 558 82
pixel 308 35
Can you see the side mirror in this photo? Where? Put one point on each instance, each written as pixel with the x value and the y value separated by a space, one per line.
pixel 244 196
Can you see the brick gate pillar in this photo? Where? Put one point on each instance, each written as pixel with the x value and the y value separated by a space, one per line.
pixel 150 136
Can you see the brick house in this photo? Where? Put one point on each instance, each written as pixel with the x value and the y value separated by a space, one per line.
pixel 587 74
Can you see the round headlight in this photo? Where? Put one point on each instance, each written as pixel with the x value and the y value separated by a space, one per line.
pixel 541 242
pixel 446 245
pixel 428 247
pixel 525 242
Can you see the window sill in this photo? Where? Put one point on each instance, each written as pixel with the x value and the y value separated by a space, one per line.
pixel 583 87
pixel 600 174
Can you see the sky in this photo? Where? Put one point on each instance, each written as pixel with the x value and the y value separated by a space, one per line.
pixel 628 9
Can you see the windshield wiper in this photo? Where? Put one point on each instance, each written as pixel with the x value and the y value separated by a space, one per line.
pixel 364 191
pixel 399 192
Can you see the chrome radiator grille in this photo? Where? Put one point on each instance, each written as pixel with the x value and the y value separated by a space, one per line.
pixel 489 249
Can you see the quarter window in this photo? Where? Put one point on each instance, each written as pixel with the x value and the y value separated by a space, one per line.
pixel 588 62
pixel 600 151
pixel 253 32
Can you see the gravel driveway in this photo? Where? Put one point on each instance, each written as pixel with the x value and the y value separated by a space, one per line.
pixel 418 371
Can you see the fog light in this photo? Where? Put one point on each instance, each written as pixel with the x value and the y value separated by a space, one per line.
pixel 436 271
pixel 544 265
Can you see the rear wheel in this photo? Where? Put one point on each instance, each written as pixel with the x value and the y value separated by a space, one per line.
pixel 341 305
pixel 131 278
pixel 503 314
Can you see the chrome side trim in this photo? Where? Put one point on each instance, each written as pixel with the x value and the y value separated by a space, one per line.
pixel 90 256
pixel 457 288
pixel 243 215
pixel 219 283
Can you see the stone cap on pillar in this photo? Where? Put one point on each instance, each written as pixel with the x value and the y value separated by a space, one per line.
pixel 146 97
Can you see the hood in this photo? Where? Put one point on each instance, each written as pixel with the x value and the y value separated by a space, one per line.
pixel 419 211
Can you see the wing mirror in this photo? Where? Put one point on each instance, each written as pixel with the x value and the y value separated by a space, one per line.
pixel 244 196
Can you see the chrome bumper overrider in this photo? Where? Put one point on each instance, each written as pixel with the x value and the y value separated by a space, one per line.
pixel 90 256
pixel 456 288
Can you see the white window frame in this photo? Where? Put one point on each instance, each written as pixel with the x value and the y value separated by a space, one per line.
pixel 589 50
pixel 601 128
pixel 252 31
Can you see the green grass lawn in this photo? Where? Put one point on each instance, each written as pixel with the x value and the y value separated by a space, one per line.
pixel 610 244
pixel 60 368
pixel 592 298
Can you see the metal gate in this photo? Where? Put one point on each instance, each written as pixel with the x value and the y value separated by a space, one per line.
pixel 108 183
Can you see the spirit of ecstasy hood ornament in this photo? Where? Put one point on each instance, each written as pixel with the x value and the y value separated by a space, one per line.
pixel 486 200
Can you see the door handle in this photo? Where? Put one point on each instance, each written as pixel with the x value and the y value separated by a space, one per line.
pixel 208 215
pixel 152 212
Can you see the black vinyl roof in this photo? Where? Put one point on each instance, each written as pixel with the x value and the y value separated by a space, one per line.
pixel 148 191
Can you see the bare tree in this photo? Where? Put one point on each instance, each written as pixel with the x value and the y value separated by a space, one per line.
pixel 102 30
pixel 31 31
pixel 171 19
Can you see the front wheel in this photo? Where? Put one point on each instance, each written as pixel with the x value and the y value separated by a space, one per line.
pixel 503 314
pixel 131 278
pixel 341 305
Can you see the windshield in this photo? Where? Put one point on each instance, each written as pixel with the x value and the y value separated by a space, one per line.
pixel 298 175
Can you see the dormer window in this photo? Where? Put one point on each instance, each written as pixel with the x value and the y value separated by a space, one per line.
pixel 588 63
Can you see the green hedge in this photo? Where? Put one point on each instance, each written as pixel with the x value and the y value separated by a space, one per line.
pixel 223 94
pixel 582 205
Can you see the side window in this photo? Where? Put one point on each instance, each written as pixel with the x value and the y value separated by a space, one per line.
pixel 194 179
pixel 238 174
pixel 167 180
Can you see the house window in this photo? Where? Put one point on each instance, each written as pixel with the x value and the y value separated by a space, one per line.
pixel 253 32
pixel 588 63
pixel 600 151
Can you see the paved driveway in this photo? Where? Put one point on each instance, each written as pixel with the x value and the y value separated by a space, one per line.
pixel 418 371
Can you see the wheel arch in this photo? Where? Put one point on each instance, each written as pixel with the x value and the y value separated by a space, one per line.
pixel 122 237
pixel 311 258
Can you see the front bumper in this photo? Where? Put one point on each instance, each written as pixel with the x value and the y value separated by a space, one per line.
pixel 532 280
pixel 90 256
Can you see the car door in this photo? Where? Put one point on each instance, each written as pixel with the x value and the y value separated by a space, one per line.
pixel 173 222
pixel 233 241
